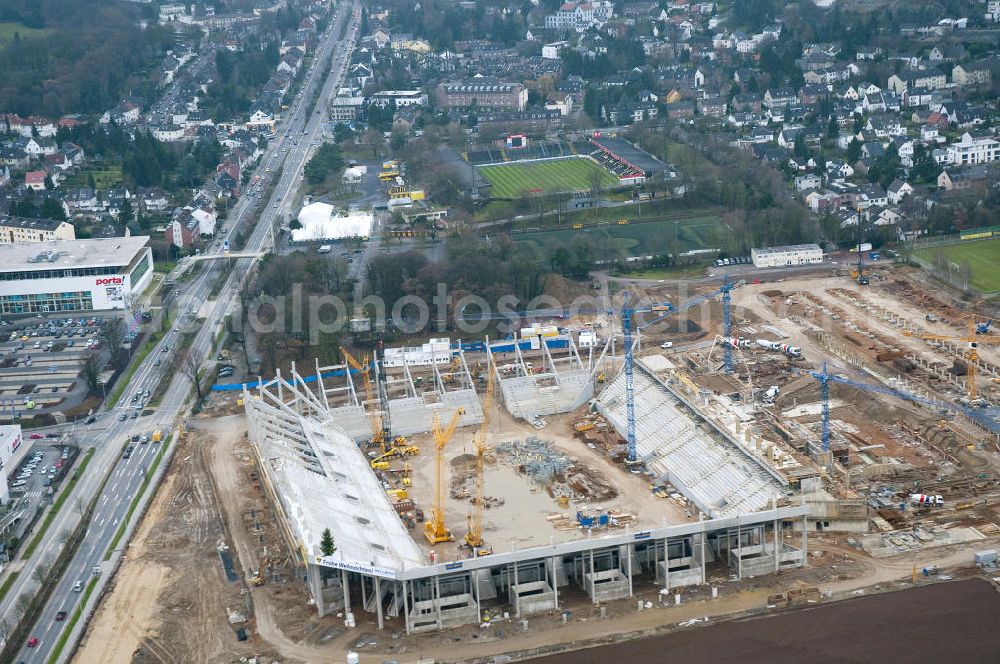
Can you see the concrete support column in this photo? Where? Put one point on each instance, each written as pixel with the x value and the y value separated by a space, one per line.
pixel 590 587
pixel 555 581
pixel 805 540
pixel 517 599
pixel 406 604
pixel 437 600
pixel 347 591
pixel 704 551
pixel 776 527
pixel 378 602
pixel 628 566
pixel 739 550
pixel 474 580
pixel 314 574
pixel 666 564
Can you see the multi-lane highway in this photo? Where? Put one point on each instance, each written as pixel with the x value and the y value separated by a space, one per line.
pixel 288 154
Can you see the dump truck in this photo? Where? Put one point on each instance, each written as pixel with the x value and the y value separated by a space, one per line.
pixel 158 436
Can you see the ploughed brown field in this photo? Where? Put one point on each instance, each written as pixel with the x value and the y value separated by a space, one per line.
pixel 942 623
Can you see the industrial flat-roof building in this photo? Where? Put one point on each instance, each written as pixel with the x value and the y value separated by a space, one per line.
pixel 73 275
pixel 796 254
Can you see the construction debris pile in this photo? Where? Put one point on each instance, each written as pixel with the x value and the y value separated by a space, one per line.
pixel 563 478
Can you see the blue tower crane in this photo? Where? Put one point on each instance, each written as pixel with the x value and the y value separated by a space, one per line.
pixel 825 378
pixel 724 290
pixel 664 309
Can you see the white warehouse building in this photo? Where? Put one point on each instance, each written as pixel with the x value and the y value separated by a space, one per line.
pixel 796 254
pixel 73 275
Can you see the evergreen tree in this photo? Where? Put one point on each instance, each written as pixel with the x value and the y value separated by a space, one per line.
pixel 326 545
pixel 853 151
pixel 126 214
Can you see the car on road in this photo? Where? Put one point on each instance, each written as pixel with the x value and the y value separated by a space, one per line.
pixel 667 344
pixel 36 436
pixel 78 586
pixel 134 414
pixel 123 417
pixel 60 616
pixel 32 642
pixel 90 420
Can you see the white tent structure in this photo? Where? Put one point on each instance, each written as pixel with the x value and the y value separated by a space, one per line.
pixel 322 221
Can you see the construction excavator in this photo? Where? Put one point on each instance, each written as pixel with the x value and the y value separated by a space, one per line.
pixel 434 530
pixel 474 536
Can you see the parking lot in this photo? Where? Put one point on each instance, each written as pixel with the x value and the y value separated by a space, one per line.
pixel 43 467
pixel 42 361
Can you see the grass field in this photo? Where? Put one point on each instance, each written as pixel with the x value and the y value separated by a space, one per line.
pixel 104 178
pixel 544 177
pixel 8 29
pixel 693 231
pixel 982 256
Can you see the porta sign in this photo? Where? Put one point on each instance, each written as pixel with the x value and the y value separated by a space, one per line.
pixel 110 281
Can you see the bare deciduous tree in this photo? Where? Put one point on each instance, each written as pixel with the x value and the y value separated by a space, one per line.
pixel 192 366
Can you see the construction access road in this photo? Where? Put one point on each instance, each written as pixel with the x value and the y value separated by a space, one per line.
pixel 288 155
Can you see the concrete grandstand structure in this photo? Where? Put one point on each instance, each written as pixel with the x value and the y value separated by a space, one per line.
pixel 317 477
pixel 563 382
pixel 701 460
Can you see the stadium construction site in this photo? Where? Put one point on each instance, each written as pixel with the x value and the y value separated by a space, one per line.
pixel 540 523
pixel 467 482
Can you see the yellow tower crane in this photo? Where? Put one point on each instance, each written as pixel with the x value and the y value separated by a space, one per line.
pixel 474 538
pixel 976 334
pixel 435 530
pixel 378 432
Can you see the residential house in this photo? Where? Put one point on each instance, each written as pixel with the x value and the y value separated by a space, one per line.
pixel 838 169
pixel 884 216
pixel 779 97
pixel 14 156
pixel 965 177
pixel 874 103
pixel 897 191
pixel 871 194
pixel 925 78
pixel 885 126
pixel 153 199
pixel 37 147
pixel 15 230
pixel 82 199
pixel 552 51
pixel 847 217
pixel 974 150
pixel 974 73
pixel 807 182
pixel 35 180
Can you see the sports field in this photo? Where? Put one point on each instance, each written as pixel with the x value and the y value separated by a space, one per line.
pixel 693 230
pixel 544 177
pixel 982 256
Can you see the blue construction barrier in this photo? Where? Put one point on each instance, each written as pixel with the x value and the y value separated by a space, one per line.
pixel 235 387
pixel 467 347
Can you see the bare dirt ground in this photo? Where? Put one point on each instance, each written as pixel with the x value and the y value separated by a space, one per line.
pixel 171 597
pixel 836 633
pixel 522 518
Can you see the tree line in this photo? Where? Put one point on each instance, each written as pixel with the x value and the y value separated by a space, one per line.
pixel 89 56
